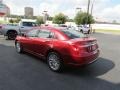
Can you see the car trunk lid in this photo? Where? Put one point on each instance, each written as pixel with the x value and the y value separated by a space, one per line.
pixel 87 44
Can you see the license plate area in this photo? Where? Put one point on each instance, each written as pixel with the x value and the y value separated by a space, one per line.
pixel 92 48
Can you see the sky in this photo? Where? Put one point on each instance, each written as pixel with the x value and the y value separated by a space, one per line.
pixel 107 10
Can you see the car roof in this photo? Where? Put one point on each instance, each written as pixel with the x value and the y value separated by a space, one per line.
pixel 57 31
pixel 52 28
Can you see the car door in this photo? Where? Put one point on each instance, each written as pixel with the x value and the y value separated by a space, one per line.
pixel 28 40
pixel 44 41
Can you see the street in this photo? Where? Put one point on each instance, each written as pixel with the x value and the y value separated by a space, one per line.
pixel 26 72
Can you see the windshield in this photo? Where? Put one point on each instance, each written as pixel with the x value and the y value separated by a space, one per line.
pixel 30 24
pixel 72 34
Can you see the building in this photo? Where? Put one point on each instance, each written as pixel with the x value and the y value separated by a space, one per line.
pixel 4 9
pixel 28 12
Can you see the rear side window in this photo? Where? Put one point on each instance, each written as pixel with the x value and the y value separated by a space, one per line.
pixel 72 34
pixel 45 34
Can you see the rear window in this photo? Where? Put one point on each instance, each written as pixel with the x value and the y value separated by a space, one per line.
pixel 73 34
pixel 62 25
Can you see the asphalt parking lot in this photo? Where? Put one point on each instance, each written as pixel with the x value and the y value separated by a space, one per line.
pixel 26 72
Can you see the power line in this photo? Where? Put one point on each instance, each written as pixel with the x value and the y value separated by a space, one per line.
pixel 92 7
pixel 88 7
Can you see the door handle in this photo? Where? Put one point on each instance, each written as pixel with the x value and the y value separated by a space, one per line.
pixel 46 41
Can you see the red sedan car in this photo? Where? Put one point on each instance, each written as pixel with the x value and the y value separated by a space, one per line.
pixel 59 47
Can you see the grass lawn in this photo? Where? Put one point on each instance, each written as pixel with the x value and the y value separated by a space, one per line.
pixel 108 31
pixel 3 22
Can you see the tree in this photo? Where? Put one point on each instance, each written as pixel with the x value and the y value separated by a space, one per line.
pixel 17 20
pixel 83 18
pixel 50 18
pixel 60 19
pixel 70 20
pixel 11 21
pixel 40 20
pixel 13 16
pixel 114 22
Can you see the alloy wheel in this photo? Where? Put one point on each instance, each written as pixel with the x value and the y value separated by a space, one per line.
pixel 54 62
pixel 18 47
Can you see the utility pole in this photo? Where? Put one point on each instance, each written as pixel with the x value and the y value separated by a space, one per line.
pixel 88 9
pixel 92 14
pixel 78 9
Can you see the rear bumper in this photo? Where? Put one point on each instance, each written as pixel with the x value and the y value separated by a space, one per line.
pixel 85 59
pixel 81 64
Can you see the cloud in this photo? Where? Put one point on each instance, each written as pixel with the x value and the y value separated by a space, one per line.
pixel 102 8
pixel 52 9
pixel 111 13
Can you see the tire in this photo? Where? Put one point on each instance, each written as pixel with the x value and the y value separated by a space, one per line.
pixel 11 35
pixel 88 31
pixel 18 47
pixel 54 62
pixel 81 31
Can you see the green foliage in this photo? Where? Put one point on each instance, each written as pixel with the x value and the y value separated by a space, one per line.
pixel 60 19
pixel 70 20
pixel 11 21
pixel 14 16
pixel 3 22
pixel 40 20
pixel 17 20
pixel 50 18
pixel 83 18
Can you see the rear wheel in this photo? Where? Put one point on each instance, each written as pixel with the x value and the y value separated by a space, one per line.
pixel 18 47
pixel 11 35
pixel 54 62
pixel 88 31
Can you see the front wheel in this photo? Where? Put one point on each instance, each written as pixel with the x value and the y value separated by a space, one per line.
pixel 54 62
pixel 18 47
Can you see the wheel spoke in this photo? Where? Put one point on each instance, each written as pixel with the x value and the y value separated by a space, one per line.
pixel 54 62
pixel 18 47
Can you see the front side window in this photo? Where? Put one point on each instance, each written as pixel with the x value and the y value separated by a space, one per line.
pixel 32 33
pixel 45 34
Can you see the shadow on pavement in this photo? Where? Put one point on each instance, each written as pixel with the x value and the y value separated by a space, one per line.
pixel 86 78
pixel 26 72
pixel 100 67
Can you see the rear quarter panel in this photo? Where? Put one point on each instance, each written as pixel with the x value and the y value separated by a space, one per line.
pixel 63 48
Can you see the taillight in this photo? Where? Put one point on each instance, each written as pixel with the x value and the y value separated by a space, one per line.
pixel 77 49
pixel 92 48
pixel 83 47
